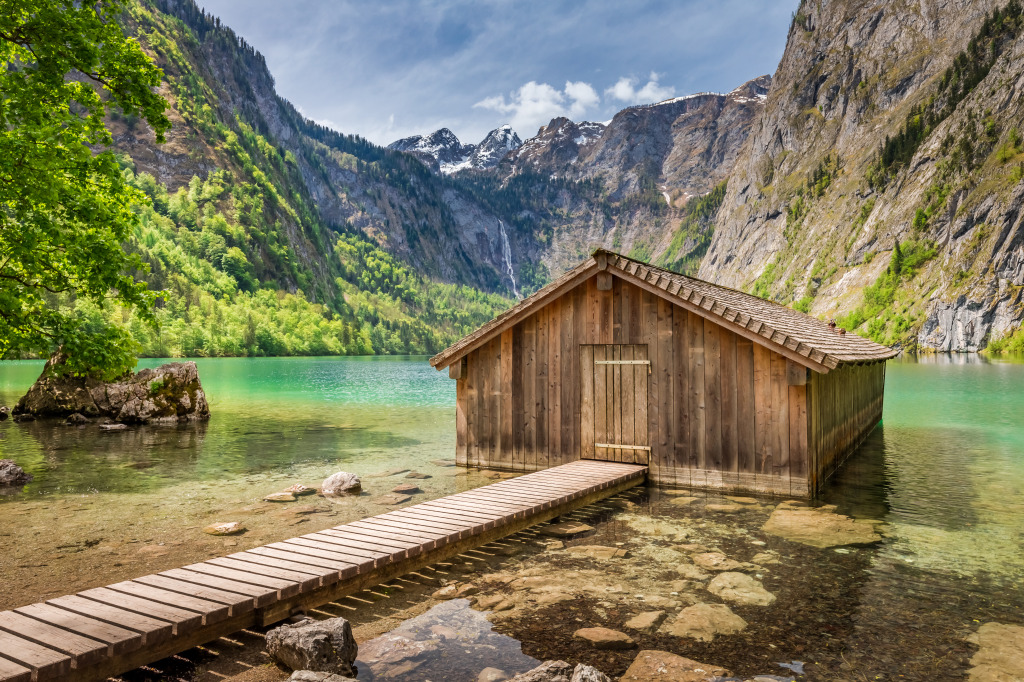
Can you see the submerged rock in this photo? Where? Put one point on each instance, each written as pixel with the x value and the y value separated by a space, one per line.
pixel 548 671
pixel 492 675
pixel 646 621
pixel 279 497
pixel 341 483
pixel 741 589
pixel 691 572
pixel 598 551
pixel 385 474
pixel 820 527
pixel 399 653
pixel 299 489
pixel 315 645
pixel 661 665
pixel 716 561
pixel 586 673
pixel 560 671
pixel 226 528
pixel 1000 654
pixel 605 638
pixel 169 393
pixel 406 489
pixel 311 676
pixel 493 602
pixel 704 622
pixel 390 499
pixel 12 474
pixel 76 418
pixel 566 529
pixel 724 507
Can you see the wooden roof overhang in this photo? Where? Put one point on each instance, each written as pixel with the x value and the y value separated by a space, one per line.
pixel 799 337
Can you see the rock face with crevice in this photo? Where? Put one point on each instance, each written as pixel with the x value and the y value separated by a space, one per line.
pixel 169 393
pixel 852 74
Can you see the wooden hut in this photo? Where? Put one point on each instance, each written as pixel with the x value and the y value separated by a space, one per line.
pixel 710 387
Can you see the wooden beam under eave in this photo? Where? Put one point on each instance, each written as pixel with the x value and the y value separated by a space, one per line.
pixel 457 370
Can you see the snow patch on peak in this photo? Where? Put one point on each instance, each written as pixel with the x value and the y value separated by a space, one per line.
pixel 443 151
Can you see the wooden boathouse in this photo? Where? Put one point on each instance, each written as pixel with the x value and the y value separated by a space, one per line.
pixel 709 387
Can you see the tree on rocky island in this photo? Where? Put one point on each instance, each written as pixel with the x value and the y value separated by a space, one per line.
pixel 65 209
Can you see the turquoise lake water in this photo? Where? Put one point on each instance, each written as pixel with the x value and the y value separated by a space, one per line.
pixel 944 471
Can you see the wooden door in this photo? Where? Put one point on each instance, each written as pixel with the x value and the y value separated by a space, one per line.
pixel 613 406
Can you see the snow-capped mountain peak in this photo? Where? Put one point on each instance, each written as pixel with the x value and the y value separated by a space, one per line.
pixel 498 143
pixel 442 150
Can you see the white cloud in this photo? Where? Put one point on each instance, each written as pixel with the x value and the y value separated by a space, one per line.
pixel 583 97
pixel 625 90
pixel 535 104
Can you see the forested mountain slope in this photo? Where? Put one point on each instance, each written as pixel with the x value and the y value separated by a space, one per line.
pixel 273 235
pixel 883 182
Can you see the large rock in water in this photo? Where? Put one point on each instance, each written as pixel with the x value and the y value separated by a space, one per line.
pixel 168 393
pixel 12 474
pixel 341 483
pixel 315 645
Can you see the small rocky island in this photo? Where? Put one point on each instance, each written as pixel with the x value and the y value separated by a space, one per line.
pixel 170 393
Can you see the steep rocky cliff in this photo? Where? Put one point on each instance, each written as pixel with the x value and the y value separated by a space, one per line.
pixel 687 145
pixel 217 80
pixel 626 185
pixel 882 183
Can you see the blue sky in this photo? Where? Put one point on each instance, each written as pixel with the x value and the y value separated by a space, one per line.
pixel 386 69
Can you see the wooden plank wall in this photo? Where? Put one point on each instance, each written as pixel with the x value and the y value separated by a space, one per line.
pixel 845 406
pixel 723 413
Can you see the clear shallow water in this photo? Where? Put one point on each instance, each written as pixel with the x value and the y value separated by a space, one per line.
pixel 269 414
pixel 134 501
pixel 944 472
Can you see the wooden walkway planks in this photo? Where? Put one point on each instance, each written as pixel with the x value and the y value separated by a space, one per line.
pixel 109 630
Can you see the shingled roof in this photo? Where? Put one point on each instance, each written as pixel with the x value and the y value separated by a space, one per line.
pixel 800 337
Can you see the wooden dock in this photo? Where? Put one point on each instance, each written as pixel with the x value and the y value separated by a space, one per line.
pixel 109 630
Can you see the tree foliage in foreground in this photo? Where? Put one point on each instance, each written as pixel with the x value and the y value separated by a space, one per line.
pixel 65 207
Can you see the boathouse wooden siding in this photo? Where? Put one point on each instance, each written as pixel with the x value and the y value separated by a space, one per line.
pixel 723 410
pixel 847 405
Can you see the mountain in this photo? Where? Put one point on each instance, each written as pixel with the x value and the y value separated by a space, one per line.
pixel 688 144
pixel 273 235
pixel 442 151
pixel 555 148
pixel 882 183
pixel 650 166
pixel 498 143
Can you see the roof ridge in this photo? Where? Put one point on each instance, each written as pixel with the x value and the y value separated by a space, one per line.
pixel 799 336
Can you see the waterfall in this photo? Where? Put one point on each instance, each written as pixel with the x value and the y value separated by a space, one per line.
pixel 506 251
